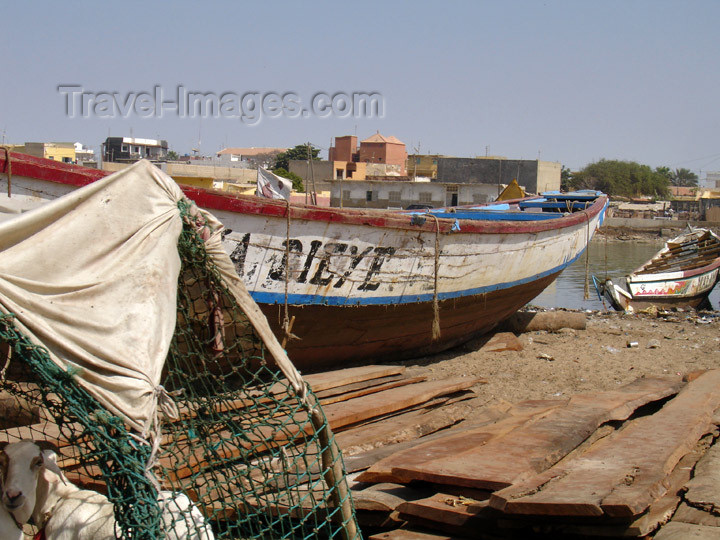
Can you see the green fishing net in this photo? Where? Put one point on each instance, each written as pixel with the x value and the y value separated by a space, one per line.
pixel 256 459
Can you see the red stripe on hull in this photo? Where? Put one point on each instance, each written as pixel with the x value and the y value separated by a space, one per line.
pixel 334 336
pixel 45 169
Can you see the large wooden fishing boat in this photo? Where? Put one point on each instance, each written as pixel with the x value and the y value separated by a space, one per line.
pixel 363 284
pixel 680 275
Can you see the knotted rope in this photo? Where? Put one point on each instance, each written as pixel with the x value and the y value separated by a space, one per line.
pixel 436 303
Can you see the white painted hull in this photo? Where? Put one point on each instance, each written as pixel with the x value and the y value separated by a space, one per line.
pixel 363 284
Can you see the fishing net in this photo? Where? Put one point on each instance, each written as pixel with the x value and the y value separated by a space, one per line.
pixel 240 452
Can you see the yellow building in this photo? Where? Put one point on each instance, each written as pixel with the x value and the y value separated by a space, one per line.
pixel 60 151
pixel 422 165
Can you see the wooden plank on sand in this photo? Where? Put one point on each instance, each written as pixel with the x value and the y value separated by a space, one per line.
pixel 659 512
pixel 347 388
pixel 370 390
pixel 383 470
pixel 445 511
pixel 624 473
pixel 533 448
pixel 405 534
pixel 340 377
pixel 360 461
pixel 703 491
pixel 399 428
pixel 357 410
pixel 689 514
pixel 685 531
pixel 382 497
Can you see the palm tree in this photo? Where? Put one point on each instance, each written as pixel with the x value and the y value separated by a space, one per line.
pixel 684 177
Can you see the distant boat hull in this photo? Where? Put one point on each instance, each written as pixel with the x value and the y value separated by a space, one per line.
pixel 363 284
pixel 681 275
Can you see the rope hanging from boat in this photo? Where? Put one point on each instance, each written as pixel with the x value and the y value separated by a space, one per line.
pixel 436 304
pixel 8 168
pixel 287 323
pixel 586 293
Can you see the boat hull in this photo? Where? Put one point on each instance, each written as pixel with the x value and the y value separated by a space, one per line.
pixel 349 308
pixel 691 292
pixel 681 275
pixel 341 335
pixel 360 284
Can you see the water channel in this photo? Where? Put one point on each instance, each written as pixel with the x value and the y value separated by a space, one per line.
pixel 613 259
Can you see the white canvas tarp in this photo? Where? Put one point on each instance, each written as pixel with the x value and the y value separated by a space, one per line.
pixel 92 277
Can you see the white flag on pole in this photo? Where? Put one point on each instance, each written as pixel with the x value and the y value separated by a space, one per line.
pixel 272 186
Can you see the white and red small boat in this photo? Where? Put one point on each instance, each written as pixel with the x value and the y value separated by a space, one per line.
pixel 375 284
pixel 681 275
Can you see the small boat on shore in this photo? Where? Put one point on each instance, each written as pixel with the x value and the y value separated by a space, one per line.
pixel 681 275
pixel 365 284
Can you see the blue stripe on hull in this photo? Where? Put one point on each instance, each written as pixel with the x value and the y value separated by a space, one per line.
pixel 310 299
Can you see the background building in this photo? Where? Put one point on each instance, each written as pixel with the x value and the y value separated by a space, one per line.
pixel 711 181
pixel 381 149
pixel 534 176
pixel 130 149
pixel 401 194
pixel 383 156
pixel 249 157
pixel 424 165
pixel 58 151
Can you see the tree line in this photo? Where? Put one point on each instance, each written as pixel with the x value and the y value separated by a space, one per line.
pixel 627 178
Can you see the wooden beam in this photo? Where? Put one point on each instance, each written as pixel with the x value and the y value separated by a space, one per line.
pixel 408 534
pixel 530 449
pixel 703 491
pixel 384 470
pixel 370 390
pixel 621 475
pixel 684 531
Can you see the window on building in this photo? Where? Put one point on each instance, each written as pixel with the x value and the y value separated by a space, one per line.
pixel 425 197
pixel 137 149
pixel 339 174
pixel 394 196
pixel 124 148
pixel 417 160
pixel 368 196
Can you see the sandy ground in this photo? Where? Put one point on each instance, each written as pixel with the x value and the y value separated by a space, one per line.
pixel 574 361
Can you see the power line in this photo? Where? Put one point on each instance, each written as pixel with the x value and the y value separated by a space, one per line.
pixel 696 159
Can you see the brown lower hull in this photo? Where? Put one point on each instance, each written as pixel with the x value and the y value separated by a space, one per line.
pixel 695 302
pixel 334 336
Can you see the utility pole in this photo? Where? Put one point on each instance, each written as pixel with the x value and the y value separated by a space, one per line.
pixel 499 175
pixel 313 195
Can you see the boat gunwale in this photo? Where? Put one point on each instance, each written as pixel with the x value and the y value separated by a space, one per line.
pixel 53 171
pixel 671 276
pixel 381 218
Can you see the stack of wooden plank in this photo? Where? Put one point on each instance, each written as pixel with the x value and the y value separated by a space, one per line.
pixel 607 464
pixel 365 406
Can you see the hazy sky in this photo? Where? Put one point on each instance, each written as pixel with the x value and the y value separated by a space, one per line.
pixel 571 81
